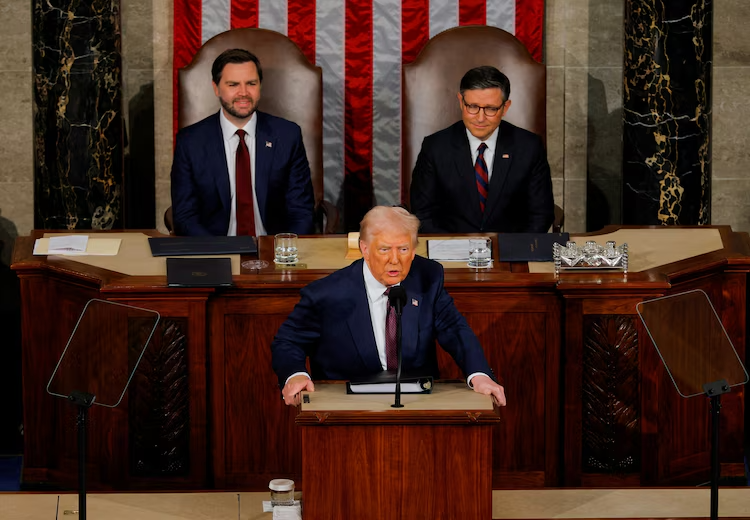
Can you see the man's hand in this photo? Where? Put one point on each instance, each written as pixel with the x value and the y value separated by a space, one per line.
pixel 293 387
pixel 484 385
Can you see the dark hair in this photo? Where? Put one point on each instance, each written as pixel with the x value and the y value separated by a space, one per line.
pixel 485 77
pixel 234 56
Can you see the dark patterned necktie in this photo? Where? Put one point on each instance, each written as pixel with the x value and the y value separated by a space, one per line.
pixel 483 178
pixel 244 189
pixel 390 335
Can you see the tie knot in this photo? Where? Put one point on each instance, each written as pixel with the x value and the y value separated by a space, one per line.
pixel 240 132
pixel 482 148
pixel 387 291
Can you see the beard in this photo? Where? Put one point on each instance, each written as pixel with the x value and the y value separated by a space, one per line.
pixel 229 108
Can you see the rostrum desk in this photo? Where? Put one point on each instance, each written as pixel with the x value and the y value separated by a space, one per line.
pixel 430 459
pixel 589 403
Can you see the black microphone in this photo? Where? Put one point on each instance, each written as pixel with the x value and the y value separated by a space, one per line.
pixel 397 300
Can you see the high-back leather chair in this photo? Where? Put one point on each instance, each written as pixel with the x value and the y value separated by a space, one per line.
pixel 292 88
pixel 430 84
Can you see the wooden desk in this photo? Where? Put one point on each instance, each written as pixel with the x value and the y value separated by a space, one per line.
pixel 589 402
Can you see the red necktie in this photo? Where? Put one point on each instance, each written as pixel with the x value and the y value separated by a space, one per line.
pixel 483 179
pixel 390 335
pixel 244 189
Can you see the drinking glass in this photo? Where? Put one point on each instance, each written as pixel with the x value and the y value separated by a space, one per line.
pixel 285 248
pixel 480 252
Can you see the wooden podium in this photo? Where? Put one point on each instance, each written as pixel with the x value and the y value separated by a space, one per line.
pixel 430 459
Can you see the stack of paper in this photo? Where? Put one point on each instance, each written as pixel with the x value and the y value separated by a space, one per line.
pixel 71 244
pixel 77 245
pixel 447 250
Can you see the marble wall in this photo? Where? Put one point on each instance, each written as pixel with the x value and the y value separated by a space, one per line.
pixel 583 52
pixel 78 125
pixel 147 61
pixel 16 124
pixel 730 186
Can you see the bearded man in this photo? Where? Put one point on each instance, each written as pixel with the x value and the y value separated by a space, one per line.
pixel 240 171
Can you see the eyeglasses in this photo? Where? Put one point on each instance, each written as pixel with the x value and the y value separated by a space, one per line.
pixel 488 111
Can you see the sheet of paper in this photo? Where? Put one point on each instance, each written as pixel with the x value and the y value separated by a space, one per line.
pixel 94 247
pixel 67 244
pixel 443 250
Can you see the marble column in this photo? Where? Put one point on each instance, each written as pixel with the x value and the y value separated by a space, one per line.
pixel 667 112
pixel 78 128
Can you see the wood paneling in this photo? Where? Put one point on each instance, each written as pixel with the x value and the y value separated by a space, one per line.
pixel 541 335
pixel 397 471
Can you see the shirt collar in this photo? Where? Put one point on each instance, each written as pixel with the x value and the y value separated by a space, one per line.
pixel 491 141
pixel 228 130
pixel 374 288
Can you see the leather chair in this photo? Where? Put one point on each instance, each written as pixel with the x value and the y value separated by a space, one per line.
pixel 430 84
pixel 292 88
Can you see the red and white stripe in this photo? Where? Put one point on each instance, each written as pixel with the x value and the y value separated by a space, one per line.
pixel 360 45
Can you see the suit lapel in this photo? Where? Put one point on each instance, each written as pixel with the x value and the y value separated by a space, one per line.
pixel 465 171
pixel 265 146
pixel 360 322
pixel 500 167
pixel 217 157
pixel 410 318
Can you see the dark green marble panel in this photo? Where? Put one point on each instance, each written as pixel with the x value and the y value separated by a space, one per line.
pixel 667 112
pixel 77 114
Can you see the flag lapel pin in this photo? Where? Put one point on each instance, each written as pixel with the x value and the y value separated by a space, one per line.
pixel 506 156
pixel 269 144
pixel 414 303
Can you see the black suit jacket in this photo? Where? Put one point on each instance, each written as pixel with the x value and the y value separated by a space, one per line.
pixel 444 193
pixel 331 324
pixel 201 197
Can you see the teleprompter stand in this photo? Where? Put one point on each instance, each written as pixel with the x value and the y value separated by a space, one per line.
pixel 698 356
pixel 105 331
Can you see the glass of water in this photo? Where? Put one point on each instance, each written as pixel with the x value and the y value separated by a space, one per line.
pixel 480 252
pixel 285 248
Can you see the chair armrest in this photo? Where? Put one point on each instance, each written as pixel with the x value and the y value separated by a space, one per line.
pixel 169 220
pixel 326 218
pixel 557 224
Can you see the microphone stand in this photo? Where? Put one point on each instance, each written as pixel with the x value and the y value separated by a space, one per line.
pixel 83 400
pixel 398 308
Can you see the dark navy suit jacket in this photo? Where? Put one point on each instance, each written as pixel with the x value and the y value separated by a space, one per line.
pixel 201 197
pixel 444 191
pixel 331 324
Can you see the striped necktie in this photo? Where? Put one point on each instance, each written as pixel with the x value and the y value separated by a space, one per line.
pixel 483 180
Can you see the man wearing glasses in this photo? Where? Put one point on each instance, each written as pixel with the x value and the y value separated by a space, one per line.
pixel 483 174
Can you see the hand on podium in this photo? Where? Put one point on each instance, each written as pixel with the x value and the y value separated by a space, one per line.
pixel 484 385
pixel 291 393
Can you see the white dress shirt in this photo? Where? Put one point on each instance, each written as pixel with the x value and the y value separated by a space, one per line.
pixel 489 153
pixel 378 303
pixel 231 142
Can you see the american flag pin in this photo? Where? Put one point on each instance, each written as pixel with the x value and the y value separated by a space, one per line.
pixel 269 144
pixel 414 303
pixel 506 156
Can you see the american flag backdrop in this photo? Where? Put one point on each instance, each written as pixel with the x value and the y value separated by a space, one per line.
pixel 360 45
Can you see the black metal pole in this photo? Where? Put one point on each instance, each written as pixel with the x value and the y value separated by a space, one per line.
pixel 398 404
pixel 82 413
pixel 715 469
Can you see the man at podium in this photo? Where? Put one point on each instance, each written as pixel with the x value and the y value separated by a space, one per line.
pixel 345 325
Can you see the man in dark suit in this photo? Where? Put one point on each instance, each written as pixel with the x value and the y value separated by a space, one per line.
pixel 342 321
pixel 240 171
pixel 482 173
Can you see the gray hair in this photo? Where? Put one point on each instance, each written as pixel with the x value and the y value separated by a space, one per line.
pixel 380 218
